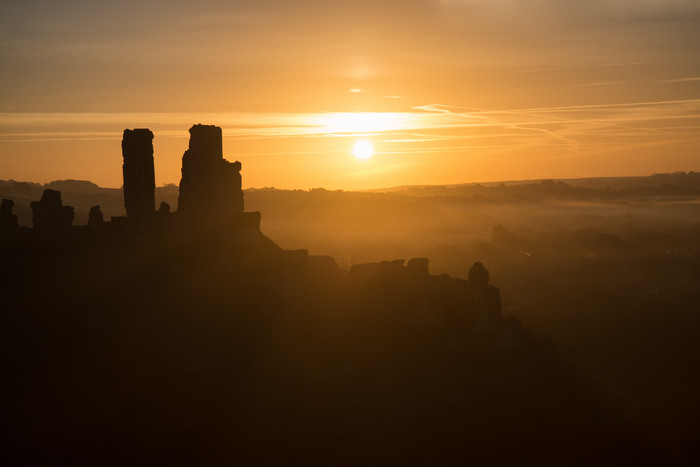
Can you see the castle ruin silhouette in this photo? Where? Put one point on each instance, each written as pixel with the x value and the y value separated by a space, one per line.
pixel 210 212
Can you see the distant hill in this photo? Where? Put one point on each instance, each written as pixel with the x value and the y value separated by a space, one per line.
pixel 678 179
pixel 84 194
pixel 73 186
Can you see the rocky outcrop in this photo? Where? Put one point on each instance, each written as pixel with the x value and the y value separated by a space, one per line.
pixel 8 221
pixel 50 217
pixel 139 174
pixel 210 188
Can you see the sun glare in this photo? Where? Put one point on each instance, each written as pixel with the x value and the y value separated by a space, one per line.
pixel 363 150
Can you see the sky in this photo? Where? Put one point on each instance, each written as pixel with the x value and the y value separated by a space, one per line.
pixel 446 91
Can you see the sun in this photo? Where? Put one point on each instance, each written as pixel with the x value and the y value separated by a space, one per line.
pixel 363 150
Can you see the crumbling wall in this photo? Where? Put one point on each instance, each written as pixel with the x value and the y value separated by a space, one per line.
pixel 8 221
pixel 483 301
pixel 50 217
pixel 139 174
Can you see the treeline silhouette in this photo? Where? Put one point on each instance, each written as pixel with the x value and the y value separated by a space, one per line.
pixel 663 184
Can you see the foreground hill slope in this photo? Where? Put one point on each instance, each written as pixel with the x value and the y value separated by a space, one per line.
pixel 153 351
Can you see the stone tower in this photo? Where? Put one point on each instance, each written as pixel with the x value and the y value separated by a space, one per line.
pixel 210 187
pixel 139 174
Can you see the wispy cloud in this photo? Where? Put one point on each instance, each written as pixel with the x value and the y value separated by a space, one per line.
pixel 682 80
pixel 576 128
pixel 433 108
pixel 601 83
pixel 580 66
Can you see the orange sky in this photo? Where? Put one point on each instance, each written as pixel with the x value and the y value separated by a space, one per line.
pixel 448 91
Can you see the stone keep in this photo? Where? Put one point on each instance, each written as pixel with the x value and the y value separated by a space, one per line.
pixel 210 186
pixel 139 174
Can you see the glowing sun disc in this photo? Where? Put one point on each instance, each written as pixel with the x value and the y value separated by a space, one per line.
pixel 363 150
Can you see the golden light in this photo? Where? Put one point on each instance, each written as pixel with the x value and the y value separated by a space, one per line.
pixel 363 150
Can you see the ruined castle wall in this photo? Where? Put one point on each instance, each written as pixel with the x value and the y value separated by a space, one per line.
pixel 8 221
pixel 50 217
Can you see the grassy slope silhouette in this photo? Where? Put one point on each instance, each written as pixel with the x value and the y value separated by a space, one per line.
pixel 154 349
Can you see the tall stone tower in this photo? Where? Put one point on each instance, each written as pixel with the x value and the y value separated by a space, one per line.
pixel 139 174
pixel 210 187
